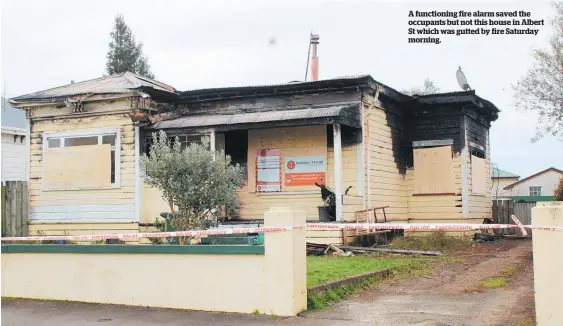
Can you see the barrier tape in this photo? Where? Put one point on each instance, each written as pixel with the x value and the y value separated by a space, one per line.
pixel 189 233
pixel 522 229
pixel 330 226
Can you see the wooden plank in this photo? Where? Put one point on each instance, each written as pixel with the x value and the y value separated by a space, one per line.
pixel 19 209
pixel 3 203
pixel 76 167
pixel 25 209
pixel 84 226
pixel 13 210
pixel 337 241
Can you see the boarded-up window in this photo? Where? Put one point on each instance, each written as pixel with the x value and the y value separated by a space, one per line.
pixel 433 170
pixel 87 166
pixel 478 175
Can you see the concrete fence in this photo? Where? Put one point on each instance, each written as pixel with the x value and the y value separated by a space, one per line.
pixel 548 264
pixel 270 279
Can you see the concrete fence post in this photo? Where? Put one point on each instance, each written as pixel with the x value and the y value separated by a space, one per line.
pixel 285 269
pixel 548 263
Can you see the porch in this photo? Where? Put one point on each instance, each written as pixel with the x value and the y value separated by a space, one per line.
pixel 284 153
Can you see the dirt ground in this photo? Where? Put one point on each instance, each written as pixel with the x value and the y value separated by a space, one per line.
pixel 451 294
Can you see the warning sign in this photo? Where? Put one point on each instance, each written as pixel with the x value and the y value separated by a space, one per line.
pixel 305 170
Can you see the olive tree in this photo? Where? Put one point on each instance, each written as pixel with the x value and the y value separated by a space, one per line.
pixel 197 182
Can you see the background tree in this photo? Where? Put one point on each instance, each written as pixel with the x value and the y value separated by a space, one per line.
pixel 558 193
pixel 541 89
pixel 428 88
pixel 124 53
pixel 196 182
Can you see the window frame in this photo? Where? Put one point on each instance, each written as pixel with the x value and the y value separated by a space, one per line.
pixel 530 191
pixel 99 132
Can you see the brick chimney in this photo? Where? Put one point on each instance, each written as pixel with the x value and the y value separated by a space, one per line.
pixel 315 58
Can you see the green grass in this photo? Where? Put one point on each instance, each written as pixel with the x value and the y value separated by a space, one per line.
pixel 326 268
pixel 434 241
pixel 493 282
pixel 322 269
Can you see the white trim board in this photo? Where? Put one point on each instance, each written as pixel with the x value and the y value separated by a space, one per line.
pixel 432 143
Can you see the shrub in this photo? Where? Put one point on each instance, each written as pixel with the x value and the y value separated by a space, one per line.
pixel 197 182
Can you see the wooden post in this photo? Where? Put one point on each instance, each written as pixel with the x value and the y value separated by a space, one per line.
pixel 338 170
pixel 3 199
pixel 212 140
pixel 25 212
pixel 19 208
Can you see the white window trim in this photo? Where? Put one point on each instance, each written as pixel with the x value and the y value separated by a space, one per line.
pixel 79 133
pixel 529 192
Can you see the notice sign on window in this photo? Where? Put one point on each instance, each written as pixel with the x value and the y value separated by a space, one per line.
pixel 268 170
pixel 305 170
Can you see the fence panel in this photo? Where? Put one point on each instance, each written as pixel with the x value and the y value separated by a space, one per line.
pixel 523 212
pixel 503 211
pixel 14 208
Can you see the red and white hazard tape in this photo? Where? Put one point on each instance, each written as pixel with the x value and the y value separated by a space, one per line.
pixel 338 226
pixel 191 233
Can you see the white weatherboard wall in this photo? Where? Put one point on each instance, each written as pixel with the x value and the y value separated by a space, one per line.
pixel 14 155
pixel 546 180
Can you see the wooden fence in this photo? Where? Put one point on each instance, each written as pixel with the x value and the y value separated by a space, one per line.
pixel 504 209
pixel 14 208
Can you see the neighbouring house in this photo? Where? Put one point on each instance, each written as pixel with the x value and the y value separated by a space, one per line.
pixel 14 143
pixel 499 180
pixel 424 158
pixel 537 187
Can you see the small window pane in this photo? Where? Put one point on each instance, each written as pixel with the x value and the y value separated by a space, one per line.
pixel 108 139
pixel 81 141
pixel 54 142
pixel 535 191
pixel 112 166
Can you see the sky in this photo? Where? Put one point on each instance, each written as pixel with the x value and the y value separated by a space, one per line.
pixel 200 44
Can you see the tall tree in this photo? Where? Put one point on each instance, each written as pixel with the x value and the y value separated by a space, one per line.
pixel 428 88
pixel 541 89
pixel 124 53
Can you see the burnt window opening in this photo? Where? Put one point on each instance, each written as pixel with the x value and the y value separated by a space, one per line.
pixel 349 136
pixel 477 152
pixel 236 146
pixel 185 141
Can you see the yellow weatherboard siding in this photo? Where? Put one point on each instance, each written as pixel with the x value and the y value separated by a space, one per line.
pixel 295 141
pixel 387 181
pixel 480 205
pixel 108 205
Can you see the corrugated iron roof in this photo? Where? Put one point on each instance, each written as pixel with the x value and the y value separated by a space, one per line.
pixel 293 83
pixel 498 173
pixel 254 117
pixel 119 83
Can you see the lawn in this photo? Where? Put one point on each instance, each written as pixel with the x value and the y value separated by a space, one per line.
pixel 321 269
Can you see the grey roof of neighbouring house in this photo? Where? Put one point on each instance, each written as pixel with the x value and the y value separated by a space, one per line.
pixel 119 83
pixel 498 173
pixel 12 117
